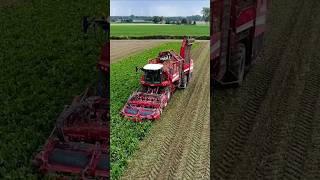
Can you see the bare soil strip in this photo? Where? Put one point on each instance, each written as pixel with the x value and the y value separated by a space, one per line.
pixel 123 48
pixel 177 146
pixel 265 129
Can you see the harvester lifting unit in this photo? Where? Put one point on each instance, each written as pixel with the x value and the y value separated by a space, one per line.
pixel 162 76
pixel 238 29
pixel 79 142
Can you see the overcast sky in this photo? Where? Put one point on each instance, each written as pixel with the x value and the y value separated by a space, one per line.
pixel 158 7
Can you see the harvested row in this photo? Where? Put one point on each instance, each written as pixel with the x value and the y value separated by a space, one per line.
pixel 274 118
pixel 178 144
pixel 126 135
pixel 246 120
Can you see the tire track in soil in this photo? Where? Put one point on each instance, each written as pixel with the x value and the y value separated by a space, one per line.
pixel 301 137
pixel 225 112
pixel 168 125
pixel 274 156
pixel 270 163
pixel 223 167
pixel 312 164
pixel 172 143
pixel 262 152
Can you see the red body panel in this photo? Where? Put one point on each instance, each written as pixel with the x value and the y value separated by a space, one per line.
pixel 229 19
pixel 85 149
pixel 149 101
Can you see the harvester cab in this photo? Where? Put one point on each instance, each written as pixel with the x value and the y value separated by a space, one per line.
pixel 79 143
pixel 152 73
pixel 161 77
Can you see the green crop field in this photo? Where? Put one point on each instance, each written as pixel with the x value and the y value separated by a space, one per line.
pixel 125 135
pixel 140 30
pixel 44 64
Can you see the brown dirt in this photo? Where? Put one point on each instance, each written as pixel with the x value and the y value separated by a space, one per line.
pixel 269 128
pixel 177 146
pixel 123 48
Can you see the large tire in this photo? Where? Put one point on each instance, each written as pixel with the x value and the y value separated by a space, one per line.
pixel 189 77
pixel 185 82
pixel 242 54
pixel 238 64
pixel 168 95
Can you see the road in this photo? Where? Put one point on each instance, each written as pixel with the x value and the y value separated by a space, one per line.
pixel 177 146
pixel 269 128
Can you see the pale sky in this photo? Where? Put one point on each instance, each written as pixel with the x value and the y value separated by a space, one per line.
pixel 157 7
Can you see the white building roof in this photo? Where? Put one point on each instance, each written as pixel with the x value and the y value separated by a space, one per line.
pixel 153 66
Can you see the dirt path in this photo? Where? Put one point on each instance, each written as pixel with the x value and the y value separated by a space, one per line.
pixel 177 146
pixel 270 129
pixel 123 48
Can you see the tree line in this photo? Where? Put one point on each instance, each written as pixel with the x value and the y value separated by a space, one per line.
pixel 167 20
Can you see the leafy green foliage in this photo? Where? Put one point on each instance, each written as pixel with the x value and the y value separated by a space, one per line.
pixel 125 135
pixel 44 64
pixel 119 30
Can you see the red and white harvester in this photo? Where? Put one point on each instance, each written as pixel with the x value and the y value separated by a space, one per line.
pixel 161 77
pixel 237 33
pixel 79 143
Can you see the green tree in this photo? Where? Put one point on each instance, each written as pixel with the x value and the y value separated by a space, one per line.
pixel 206 14
pixel 184 21
pixel 156 19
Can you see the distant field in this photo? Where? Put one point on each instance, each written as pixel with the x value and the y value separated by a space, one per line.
pixel 141 30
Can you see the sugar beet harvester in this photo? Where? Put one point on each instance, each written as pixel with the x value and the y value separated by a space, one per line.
pixel 161 77
pixel 237 28
pixel 79 143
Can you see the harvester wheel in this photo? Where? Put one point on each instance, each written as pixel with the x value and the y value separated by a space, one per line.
pixel 183 82
pixel 242 57
pixel 168 94
pixel 237 65
pixel 189 76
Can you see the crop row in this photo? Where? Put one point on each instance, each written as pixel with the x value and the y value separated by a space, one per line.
pixel 125 135
pixel 44 63
pixel 154 31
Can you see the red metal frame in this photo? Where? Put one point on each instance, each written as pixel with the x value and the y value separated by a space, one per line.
pixel 239 16
pixel 104 62
pixel 79 143
pixel 148 102
pixel 78 129
pixel 94 152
